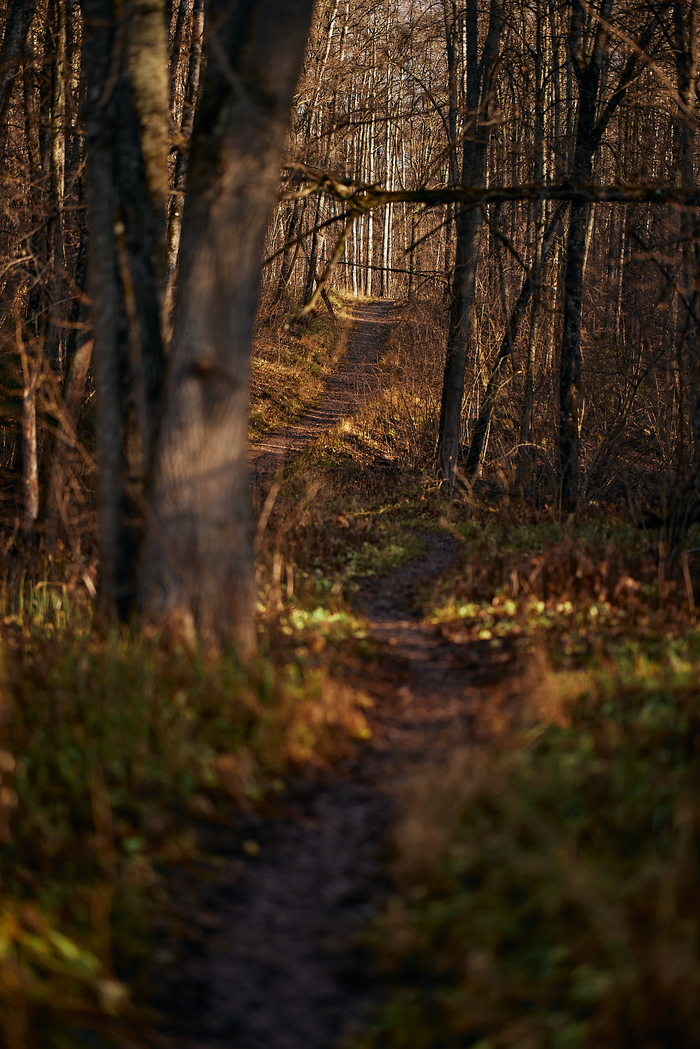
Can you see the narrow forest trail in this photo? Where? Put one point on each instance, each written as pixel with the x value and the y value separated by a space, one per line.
pixel 274 962
pixel 345 392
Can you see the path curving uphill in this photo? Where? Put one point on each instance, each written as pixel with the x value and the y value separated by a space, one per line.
pixel 271 960
pixel 276 964
pixel 347 390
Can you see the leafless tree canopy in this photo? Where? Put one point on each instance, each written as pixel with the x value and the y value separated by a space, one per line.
pixel 529 167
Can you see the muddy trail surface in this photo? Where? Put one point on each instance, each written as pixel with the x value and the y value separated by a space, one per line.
pixel 272 958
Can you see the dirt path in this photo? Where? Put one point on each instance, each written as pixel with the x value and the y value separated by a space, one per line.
pixel 272 960
pixel 347 389
pixel 274 963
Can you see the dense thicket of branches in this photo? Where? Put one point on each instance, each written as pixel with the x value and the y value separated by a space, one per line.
pixel 578 338
pixel 571 311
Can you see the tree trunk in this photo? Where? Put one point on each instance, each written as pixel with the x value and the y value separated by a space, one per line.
pixel 587 59
pixel 686 30
pixel 127 127
pixel 311 264
pixel 540 171
pixel 570 364
pixel 197 564
pixel 479 74
pixel 180 174
pixel 31 370
pixel 477 444
pixel 291 247
pixel 58 134
pixel 19 19
pixel 66 441
pixel 459 338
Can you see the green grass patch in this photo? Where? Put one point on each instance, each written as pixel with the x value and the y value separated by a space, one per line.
pixel 546 883
pixel 546 894
pixel 114 753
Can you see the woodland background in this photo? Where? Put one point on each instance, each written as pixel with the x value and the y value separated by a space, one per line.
pixel 520 180
pixel 392 96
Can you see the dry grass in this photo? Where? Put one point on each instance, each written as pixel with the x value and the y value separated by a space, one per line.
pixel 546 890
pixel 403 418
pixel 387 448
pixel 289 368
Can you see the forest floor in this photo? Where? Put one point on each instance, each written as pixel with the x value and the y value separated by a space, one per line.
pixel 275 961
pixel 453 801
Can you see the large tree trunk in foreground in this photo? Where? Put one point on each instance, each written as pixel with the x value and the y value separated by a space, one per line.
pixel 197 566
pixel 127 128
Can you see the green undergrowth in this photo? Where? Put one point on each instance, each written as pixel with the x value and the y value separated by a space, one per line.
pixel 115 752
pixel 119 753
pixel 329 534
pixel 546 882
pixel 289 368
pixel 587 591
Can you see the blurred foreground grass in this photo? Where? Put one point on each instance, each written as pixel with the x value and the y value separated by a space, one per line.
pixel 116 750
pixel 113 751
pixel 546 881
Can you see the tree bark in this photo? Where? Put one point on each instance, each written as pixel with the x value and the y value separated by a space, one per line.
pixel 479 75
pixel 291 248
pixel 590 126
pixel 126 126
pixel 197 564
pixel 312 263
pixel 483 421
pixel 118 541
pixel 19 20
pixel 523 457
pixel 685 48
pixel 66 440
pixel 180 173
pixel 31 369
